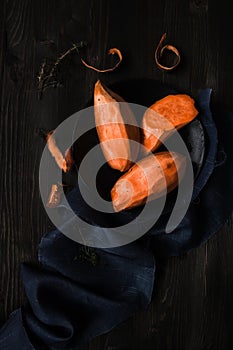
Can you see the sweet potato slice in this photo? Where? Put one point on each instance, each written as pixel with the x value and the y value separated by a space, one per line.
pixel 116 125
pixel 148 178
pixel 164 117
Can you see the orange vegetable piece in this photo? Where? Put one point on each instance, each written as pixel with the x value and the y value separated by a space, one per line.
pixel 148 179
pixel 64 163
pixel 116 125
pixel 164 117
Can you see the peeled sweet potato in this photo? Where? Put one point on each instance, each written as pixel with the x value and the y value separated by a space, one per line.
pixel 164 117
pixel 116 125
pixel 148 178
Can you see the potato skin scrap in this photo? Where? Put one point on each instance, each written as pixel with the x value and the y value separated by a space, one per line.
pixel 64 162
pixel 115 125
pixel 55 196
pixel 149 179
pixel 55 151
pixel 164 117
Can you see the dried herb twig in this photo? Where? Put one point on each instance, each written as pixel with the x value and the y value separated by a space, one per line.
pixel 48 72
pixel 87 255
pixel 159 53
pixel 113 51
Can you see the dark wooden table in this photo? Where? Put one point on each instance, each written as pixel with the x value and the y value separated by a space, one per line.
pixel 192 306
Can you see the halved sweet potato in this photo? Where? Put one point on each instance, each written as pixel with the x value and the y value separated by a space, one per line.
pixel 148 178
pixel 164 117
pixel 116 125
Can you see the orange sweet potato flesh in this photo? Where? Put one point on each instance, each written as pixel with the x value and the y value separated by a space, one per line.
pixel 164 117
pixel 116 125
pixel 149 178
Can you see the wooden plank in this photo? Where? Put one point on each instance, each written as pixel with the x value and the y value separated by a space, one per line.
pixel 192 304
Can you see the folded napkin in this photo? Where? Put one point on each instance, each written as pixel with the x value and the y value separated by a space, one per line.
pixel 77 292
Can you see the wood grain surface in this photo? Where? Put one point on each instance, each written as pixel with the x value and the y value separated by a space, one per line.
pixel 192 306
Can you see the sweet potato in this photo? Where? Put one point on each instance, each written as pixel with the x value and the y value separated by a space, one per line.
pixel 55 151
pixel 164 117
pixel 55 196
pixel 148 178
pixel 116 125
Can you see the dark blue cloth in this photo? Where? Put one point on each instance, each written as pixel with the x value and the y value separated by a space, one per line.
pixel 213 191
pixel 76 293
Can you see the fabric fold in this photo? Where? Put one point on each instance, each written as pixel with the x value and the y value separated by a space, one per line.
pixel 78 292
